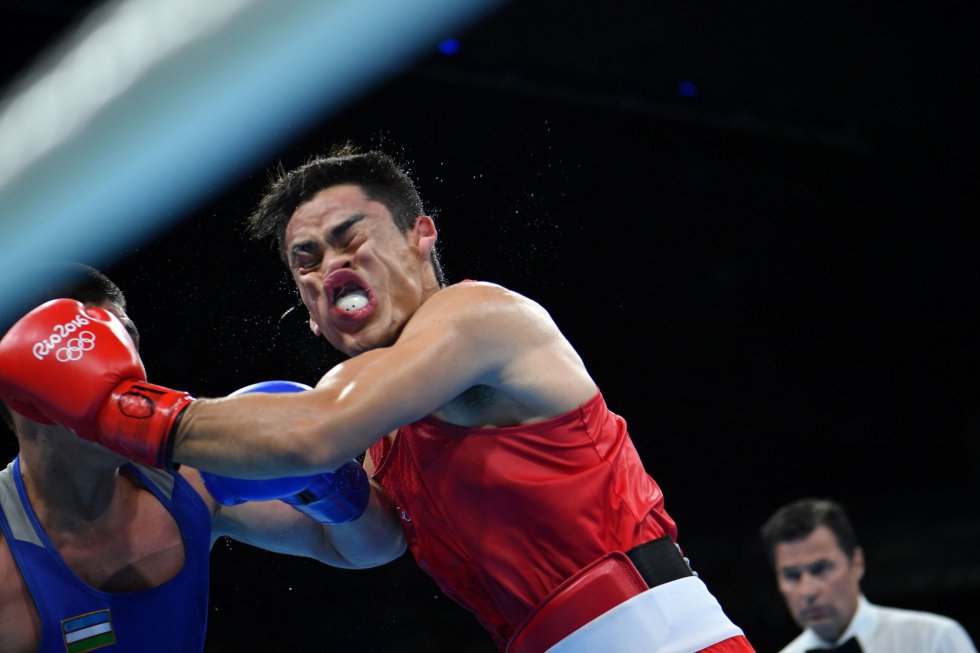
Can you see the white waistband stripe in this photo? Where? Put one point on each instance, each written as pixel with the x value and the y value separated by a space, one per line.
pixel 677 617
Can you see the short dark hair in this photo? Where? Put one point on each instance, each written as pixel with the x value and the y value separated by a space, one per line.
pixel 795 521
pixel 376 173
pixel 61 280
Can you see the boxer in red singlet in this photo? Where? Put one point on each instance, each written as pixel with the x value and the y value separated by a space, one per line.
pixel 518 489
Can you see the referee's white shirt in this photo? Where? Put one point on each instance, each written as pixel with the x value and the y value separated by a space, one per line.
pixel 892 630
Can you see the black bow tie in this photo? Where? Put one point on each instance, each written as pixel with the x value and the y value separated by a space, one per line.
pixel 850 646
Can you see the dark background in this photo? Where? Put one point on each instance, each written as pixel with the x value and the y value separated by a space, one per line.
pixel 757 226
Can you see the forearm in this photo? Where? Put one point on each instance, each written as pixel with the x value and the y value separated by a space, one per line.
pixel 372 539
pixel 261 436
pixel 306 433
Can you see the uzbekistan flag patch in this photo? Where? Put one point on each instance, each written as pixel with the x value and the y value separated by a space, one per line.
pixel 88 632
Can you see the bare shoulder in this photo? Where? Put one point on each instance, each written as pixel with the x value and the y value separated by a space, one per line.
pixel 485 310
pixel 491 292
pixel 531 371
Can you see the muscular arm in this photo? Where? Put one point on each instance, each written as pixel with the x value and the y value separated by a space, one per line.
pixel 373 539
pixel 466 335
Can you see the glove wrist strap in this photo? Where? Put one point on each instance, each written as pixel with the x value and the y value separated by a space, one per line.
pixel 138 421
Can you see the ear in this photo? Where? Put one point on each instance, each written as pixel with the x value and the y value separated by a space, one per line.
pixel 314 328
pixel 425 235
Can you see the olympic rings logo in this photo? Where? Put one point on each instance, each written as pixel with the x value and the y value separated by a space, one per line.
pixel 61 333
pixel 75 348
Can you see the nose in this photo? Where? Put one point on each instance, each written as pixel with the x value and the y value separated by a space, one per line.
pixel 809 587
pixel 338 262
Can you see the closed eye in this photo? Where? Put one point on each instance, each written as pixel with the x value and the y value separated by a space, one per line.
pixel 304 255
pixel 341 235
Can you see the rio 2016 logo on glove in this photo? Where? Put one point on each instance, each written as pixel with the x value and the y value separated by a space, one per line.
pixel 73 349
pixel 76 347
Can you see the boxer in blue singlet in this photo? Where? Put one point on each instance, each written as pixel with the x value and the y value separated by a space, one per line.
pixel 97 551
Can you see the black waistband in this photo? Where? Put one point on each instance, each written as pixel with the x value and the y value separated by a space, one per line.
pixel 659 561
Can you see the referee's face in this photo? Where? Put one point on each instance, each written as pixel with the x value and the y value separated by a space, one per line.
pixel 820 584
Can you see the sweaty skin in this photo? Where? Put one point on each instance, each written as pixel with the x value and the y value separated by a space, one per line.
pixel 417 350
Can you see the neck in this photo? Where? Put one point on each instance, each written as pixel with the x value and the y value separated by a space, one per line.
pixel 835 637
pixel 67 487
pixel 430 286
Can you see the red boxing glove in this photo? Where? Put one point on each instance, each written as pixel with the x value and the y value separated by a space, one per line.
pixel 77 366
pixel 139 420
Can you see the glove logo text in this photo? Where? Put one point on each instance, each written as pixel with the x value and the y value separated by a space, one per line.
pixel 73 348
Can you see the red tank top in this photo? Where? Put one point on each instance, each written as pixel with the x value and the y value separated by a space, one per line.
pixel 500 517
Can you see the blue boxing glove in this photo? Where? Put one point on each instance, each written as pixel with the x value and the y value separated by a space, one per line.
pixel 330 498
pixel 273 387
pixel 230 491
pixel 336 497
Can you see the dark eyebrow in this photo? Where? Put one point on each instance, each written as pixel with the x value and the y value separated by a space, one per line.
pixel 338 232
pixel 815 566
pixel 335 235
pixel 820 565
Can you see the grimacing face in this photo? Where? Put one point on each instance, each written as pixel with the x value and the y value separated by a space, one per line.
pixel 820 585
pixel 360 278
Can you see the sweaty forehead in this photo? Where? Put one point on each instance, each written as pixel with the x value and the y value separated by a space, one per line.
pixel 333 204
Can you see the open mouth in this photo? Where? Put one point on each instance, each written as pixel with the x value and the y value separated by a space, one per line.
pixel 350 298
pixel 347 292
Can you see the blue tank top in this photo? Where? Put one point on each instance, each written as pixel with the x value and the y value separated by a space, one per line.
pixel 75 617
